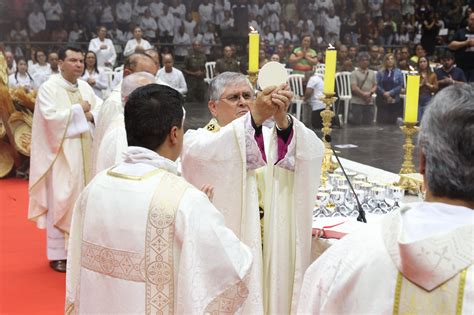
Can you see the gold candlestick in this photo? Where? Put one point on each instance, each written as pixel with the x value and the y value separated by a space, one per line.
pixel 409 177
pixel 253 76
pixel 409 130
pixel 327 114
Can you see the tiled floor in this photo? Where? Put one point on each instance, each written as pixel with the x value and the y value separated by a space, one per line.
pixel 378 146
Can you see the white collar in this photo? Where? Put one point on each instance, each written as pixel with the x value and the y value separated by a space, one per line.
pixel 140 155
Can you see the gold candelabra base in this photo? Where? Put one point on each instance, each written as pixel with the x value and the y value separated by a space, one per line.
pixel 253 76
pixel 409 178
pixel 327 114
pixel 409 130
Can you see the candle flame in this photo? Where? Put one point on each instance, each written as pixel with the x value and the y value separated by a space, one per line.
pixel 331 46
pixel 252 29
pixel 411 68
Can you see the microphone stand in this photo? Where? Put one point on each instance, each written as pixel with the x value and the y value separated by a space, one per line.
pixel 361 216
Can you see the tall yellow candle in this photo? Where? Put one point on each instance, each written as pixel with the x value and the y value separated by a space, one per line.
pixel 330 71
pixel 254 42
pixel 413 91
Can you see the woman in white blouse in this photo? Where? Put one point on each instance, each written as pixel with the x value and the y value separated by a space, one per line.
pixel 96 78
pixel 41 65
pixel 21 77
pixel 137 43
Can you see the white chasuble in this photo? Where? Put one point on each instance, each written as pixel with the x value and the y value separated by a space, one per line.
pixel 416 261
pixel 110 111
pixel 229 160
pixel 153 244
pixel 60 150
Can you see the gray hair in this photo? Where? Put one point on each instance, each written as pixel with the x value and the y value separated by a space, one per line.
pixel 223 80
pixel 447 141
pixel 133 81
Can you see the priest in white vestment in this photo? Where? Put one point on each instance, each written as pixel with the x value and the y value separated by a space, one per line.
pixel 110 118
pixel 144 240
pixel 419 260
pixel 60 151
pixel 258 171
pixel 113 141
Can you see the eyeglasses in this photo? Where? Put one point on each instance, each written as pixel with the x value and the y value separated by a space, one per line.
pixel 234 98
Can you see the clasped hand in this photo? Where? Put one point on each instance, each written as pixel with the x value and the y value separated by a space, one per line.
pixel 272 101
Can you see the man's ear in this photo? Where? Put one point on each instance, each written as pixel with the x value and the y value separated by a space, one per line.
pixel 173 135
pixel 212 105
pixel 126 72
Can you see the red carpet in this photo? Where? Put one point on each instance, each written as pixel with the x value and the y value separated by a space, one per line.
pixel 27 284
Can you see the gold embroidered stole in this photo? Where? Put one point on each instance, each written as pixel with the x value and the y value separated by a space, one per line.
pixel 212 125
pixel 86 140
pixel 159 244
pixel 445 299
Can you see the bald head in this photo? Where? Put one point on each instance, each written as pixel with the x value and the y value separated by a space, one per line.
pixel 154 55
pixel 168 62
pixel 139 62
pixel 134 81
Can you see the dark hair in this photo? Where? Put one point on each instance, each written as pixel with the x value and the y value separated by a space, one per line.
pixel 16 72
pixel 95 64
pixel 428 69
pixel 62 52
pixel 37 51
pixel 132 60
pixel 446 55
pixel 150 113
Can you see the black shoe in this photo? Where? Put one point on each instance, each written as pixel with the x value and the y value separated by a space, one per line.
pixel 58 265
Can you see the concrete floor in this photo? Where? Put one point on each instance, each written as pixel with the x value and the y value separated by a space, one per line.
pixel 378 145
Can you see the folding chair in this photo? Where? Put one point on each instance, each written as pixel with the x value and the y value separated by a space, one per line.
pixel 295 82
pixel 320 68
pixel 344 92
pixel 210 73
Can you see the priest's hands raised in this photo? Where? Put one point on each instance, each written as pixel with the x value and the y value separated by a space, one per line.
pixel 272 101
pixel 282 98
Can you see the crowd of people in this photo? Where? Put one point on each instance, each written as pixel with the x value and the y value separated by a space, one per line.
pixel 393 36
pixel 223 22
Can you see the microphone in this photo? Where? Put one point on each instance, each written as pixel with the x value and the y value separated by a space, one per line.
pixel 361 216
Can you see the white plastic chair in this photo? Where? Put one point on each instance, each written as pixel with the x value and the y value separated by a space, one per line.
pixel 210 71
pixel 289 71
pixel 320 68
pixel 344 92
pixel 295 82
